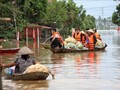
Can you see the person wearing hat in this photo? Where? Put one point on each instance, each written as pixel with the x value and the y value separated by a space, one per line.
pixel 23 61
pixel 77 34
pixel 91 40
pixel 56 39
pixel 83 37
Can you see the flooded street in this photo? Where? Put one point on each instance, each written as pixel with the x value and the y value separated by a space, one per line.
pixel 99 70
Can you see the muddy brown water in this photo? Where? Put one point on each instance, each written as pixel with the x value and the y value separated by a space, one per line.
pixel 98 70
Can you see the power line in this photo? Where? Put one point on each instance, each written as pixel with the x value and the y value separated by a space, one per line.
pixel 110 6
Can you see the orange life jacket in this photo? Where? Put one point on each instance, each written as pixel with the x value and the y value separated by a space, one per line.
pixel 60 39
pixel 83 39
pixel 77 36
pixel 91 44
pixel 97 35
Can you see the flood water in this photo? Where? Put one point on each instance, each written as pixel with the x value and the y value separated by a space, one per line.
pixel 98 70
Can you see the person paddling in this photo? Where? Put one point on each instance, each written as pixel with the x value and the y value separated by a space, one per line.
pixel 22 61
pixel 56 39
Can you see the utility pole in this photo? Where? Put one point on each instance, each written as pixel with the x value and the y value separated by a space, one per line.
pixel 102 12
pixel 15 22
pixel 103 16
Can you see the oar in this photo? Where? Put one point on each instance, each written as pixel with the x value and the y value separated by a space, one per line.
pixel 46 40
pixel 53 75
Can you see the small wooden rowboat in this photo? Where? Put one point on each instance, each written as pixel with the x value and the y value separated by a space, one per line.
pixel 61 50
pixel 28 76
pixel 9 50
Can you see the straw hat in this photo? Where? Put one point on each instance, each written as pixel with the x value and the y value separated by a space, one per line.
pixel 24 50
pixel 91 31
pixel 82 32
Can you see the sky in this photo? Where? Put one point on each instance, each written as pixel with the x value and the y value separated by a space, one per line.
pixel 103 8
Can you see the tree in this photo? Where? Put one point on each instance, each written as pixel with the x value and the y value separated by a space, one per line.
pixel 21 12
pixel 116 16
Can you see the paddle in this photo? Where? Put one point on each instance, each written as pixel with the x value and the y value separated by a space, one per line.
pixel 46 40
pixel 53 75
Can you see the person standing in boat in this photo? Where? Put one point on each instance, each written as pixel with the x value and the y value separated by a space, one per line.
pixel 56 39
pixel 23 61
pixel 91 40
pixel 77 35
pixel 83 37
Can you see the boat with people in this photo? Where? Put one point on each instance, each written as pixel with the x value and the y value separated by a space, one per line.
pixel 64 50
pixel 9 50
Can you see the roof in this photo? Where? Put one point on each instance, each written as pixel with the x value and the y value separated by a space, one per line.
pixel 37 26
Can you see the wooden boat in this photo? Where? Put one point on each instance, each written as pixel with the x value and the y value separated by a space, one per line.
pixel 28 76
pixel 9 50
pixel 61 50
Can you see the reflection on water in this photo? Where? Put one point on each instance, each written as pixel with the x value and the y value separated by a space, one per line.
pixel 26 85
pixel 98 70
pixel 77 65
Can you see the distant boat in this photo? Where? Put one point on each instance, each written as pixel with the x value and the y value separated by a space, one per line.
pixel 9 50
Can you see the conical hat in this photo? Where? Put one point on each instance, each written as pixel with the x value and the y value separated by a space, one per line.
pixel 83 32
pixel 24 50
pixel 91 31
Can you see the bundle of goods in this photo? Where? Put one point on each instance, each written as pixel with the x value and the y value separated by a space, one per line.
pixel 79 45
pixel 70 40
pixel 70 46
pixel 71 43
pixel 36 68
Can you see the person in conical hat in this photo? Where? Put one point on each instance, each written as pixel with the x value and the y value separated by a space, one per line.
pixel 91 40
pixel 91 31
pixel 24 51
pixel 82 32
pixel 83 37
pixel 23 61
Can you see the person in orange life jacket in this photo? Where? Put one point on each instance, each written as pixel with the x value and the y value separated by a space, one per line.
pixel 56 39
pixel 77 34
pixel 97 34
pixel 91 40
pixel 83 37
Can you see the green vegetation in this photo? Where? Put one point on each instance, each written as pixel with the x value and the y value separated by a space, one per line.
pixel 116 16
pixel 61 14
